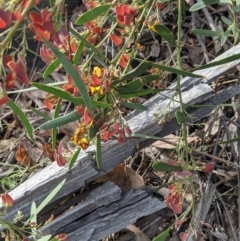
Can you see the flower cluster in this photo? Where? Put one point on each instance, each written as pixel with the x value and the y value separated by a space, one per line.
pixel 80 137
pixel 15 71
pixel 175 198
pixel 41 25
pixel 125 14
pixel 115 130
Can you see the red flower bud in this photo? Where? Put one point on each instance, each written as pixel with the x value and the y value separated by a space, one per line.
pixel 7 200
pixel 209 167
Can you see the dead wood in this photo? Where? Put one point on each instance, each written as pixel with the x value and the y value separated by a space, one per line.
pixel 106 210
pixel 195 91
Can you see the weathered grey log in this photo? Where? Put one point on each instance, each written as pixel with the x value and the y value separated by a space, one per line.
pixel 84 170
pixel 102 196
pixel 82 223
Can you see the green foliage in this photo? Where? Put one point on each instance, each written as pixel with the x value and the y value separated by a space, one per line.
pixel 74 74
pixel 164 167
pixel 180 116
pixel 106 81
pixel 98 153
pixel 62 120
pixel 165 33
pixel 203 3
pixel 51 68
pixel 54 130
pixel 163 235
pixel 36 210
pixel 23 118
pixel 92 14
pixel 73 159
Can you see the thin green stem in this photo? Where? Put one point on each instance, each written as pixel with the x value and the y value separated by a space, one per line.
pixel 179 64
pixel 107 35
pixel 235 26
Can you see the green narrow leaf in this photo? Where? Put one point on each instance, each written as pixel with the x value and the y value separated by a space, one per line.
pixel 60 121
pixel 165 33
pixel 44 203
pixel 86 43
pixel 70 69
pixel 67 96
pixel 51 68
pixel 137 83
pixel 201 4
pixel 140 69
pixel 138 93
pixel 50 196
pixel 130 86
pixel 32 213
pixel 39 113
pixel 238 5
pixel 92 132
pixel 134 106
pixel 92 14
pixel 101 104
pixel 219 62
pixel 226 35
pixel 73 159
pixel 183 3
pixel 226 20
pixel 172 70
pixel 52 3
pixel 45 238
pixel 163 1
pixel 180 116
pixel 98 153
pixel 164 167
pixel 162 236
pixel 54 130
pixel 59 93
pixel 22 117
pixel 78 53
pixel 204 32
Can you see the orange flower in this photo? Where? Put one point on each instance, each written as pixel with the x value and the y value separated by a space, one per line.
pixel 61 237
pixel 61 41
pixel 6 59
pixel 10 81
pixel 50 101
pixel 5 18
pixel 125 14
pixel 174 199
pixel 3 95
pixel 7 200
pixel 88 119
pixel 116 39
pixel 61 161
pixel 90 4
pixel 41 25
pixel 95 31
pixel 124 61
pixel 19 70
pixel 46 54
pixel 209 167
pixel 16 15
